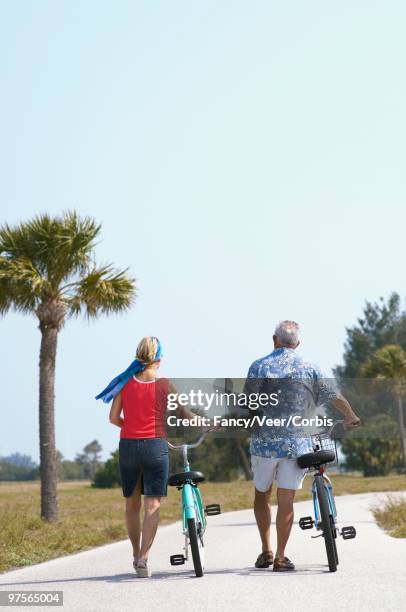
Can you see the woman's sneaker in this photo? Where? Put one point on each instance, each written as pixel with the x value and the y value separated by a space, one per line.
pixel 142 569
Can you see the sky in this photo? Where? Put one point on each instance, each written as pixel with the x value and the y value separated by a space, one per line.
pixel 246 161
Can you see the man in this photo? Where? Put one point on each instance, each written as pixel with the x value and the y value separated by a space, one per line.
pixel 299 384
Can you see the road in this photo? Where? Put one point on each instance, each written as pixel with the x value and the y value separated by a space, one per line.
pixel 371 575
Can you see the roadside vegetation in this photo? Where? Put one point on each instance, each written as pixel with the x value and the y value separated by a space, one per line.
pixel 392 517
pixel 94 516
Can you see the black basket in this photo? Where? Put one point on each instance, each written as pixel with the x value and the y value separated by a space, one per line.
pixel 324 442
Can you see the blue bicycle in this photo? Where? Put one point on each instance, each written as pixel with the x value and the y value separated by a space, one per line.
pixel 325 513
pixel 193 511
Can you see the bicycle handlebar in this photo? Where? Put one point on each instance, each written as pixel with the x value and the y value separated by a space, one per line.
pixel 334 425
pixel 193 445
pixel 337 424
pixel 204 434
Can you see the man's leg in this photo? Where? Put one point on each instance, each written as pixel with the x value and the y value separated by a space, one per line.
pixel 262 511
pixel 133 518
pixel 284 519
pixel 150 524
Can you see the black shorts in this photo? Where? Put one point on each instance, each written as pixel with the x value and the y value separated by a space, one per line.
pixel 146 460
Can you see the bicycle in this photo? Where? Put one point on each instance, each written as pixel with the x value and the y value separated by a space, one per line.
pixel 193 511
pixel 325 513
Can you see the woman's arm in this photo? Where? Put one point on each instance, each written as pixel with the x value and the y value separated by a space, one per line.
pixel 115 411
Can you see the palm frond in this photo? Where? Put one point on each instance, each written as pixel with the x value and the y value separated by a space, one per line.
pixel 102 291
pixel 386 362
pixel 49 260
pixel 58 247
pixel 21 286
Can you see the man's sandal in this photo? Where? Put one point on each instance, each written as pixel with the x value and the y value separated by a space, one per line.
pixel 265 559
pixel 283 565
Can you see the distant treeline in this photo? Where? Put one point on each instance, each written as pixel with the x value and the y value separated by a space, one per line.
pixel 18 467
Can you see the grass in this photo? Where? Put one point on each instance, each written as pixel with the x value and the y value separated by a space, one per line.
pixel 90 517
pixel 392 517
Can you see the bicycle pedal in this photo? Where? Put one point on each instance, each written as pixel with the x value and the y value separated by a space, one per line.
pixel 306 522
pixel 348 533
pixel 177 559
pixel 212 509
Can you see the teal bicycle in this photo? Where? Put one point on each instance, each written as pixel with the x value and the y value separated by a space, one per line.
pixel 193 512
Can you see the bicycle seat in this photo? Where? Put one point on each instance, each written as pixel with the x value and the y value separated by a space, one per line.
pixel 177 480
pixel 318 458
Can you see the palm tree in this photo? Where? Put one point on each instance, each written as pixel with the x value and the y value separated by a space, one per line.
pixel 386 363
pixel 47 268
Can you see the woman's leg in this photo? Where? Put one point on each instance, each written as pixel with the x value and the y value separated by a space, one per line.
pixel 150 524
pixel 133 518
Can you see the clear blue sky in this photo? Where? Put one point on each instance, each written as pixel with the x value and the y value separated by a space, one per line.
pixel 246 159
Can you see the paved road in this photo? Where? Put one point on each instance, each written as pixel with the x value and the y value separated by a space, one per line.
pixel 371 574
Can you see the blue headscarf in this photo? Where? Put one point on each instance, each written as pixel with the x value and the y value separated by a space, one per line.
pixel 114 387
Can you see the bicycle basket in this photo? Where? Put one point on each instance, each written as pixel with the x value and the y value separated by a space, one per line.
pixel 324 442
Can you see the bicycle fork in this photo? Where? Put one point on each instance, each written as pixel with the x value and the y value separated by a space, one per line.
pixel 331 503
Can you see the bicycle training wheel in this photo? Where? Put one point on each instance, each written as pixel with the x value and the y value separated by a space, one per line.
pixel 326 525
pixel 196 547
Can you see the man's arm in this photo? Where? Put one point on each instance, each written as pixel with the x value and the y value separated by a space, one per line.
pixel 343 406
pixel 115 411
pixel 327 392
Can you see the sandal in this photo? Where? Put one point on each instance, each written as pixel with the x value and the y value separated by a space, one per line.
pixel 265 559
pixel 142 569
pixel 283 565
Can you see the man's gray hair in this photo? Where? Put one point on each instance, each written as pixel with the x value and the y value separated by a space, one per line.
pixel 287 333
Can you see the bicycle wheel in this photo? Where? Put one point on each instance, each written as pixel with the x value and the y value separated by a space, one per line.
pixel 326 524
pixel 195 546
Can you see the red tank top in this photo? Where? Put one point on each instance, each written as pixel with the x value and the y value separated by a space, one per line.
pixel 144 406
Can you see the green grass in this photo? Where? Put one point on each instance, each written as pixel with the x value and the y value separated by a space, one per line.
pixel 90 517
pixel 392 517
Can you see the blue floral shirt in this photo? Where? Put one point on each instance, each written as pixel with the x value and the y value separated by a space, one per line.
pixel 300 386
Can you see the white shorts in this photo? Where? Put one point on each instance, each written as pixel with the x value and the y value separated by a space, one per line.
pixel 284 470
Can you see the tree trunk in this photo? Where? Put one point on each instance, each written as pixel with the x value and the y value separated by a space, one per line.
pixel 48 459
pixel 245 464
pixel 402 426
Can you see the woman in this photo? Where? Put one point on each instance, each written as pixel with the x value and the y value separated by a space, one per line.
pixel 143 449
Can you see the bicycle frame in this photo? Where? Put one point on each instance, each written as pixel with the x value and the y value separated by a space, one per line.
pixel 192 504
pixel 193 511
pixel 191 499
pixel 321 473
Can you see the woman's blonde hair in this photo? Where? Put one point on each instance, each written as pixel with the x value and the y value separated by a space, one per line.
pixel 146 350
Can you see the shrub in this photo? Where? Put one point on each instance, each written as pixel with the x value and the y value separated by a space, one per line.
pixel 378 451
pixel 108 476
